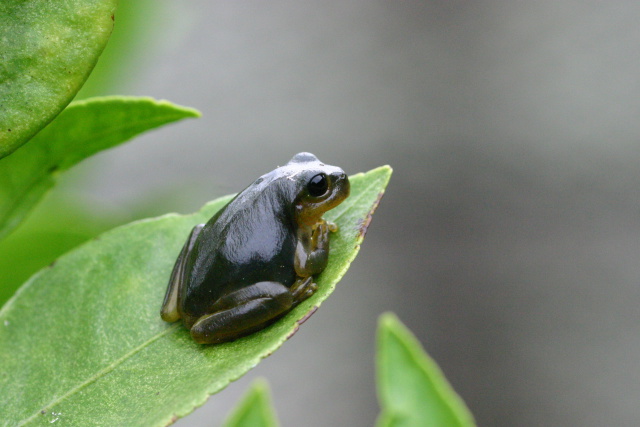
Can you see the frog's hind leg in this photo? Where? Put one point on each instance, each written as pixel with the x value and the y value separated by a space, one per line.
pixel 169 311
pixel 242 312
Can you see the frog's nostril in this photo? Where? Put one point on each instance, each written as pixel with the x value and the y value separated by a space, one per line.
pixel 343 182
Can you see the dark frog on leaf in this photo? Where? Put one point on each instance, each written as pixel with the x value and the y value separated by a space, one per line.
pixel 255 259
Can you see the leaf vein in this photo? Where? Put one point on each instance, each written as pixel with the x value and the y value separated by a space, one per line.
pixel 104 371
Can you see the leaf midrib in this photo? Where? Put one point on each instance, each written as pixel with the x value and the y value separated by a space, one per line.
pixel 101 373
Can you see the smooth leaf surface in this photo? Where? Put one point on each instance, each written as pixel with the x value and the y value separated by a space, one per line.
pixel 255 409
pixel 411 387
pixel 81 130
pixel 56 226
pixel 83 339
pixel 47 50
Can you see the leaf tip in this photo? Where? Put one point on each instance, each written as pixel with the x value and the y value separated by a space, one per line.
pixel 393 333
pixel 188 112
pixel 260 386
pixel 255 408
pixel 388 319
pixel 388 323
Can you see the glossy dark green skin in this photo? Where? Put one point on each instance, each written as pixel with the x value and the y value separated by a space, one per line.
pixel 254 260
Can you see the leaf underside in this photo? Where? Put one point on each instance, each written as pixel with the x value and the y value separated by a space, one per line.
pixel 411 387
pixel 47 50
pixel 83 342
pixel 81 130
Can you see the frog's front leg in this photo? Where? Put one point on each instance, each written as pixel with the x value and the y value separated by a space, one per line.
pixel 312 251
pixel 242 312
pixel 169 311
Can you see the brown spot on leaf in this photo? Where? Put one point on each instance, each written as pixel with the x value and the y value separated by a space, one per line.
pixel 308 315
pixel 292 333
pixel 301 321
pixel 173 419
pixel 364 224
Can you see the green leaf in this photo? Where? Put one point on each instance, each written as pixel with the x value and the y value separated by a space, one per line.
pixel 83 342
pixel 134 35
pixel 255 409
pixel 47 50
pixel 411 387
pixel 56 226
pixel 81 130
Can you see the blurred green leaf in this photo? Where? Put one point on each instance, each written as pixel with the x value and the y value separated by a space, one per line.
pixel 81 130
pixel 134 36
pixel 411 387
pixel 90 339
pixel 47 50
pixel 255 409
pixel 56 226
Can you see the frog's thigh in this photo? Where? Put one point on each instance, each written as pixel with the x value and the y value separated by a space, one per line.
pixel 243 312
pixel 169 311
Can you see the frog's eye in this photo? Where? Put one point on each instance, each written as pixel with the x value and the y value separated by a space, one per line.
pixel 318 185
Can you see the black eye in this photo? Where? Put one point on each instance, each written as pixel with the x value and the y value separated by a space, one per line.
pixel 318 185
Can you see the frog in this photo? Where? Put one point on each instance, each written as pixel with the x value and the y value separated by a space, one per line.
pixel 257 257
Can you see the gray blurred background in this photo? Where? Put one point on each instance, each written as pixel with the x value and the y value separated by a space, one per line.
pixel 509 236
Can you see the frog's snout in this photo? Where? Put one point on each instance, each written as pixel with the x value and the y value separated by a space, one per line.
pixel 340 182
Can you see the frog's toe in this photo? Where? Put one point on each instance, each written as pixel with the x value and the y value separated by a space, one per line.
pixel 303 289
pixel 310 291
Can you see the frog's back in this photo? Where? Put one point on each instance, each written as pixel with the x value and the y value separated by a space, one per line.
pixel 250 240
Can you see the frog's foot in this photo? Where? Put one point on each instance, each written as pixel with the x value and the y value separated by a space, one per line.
pixel 332 226
pixel 303 288
pixel 243 312
pixel 322 232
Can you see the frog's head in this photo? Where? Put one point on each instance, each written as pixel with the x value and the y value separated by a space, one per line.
pixel 318 187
